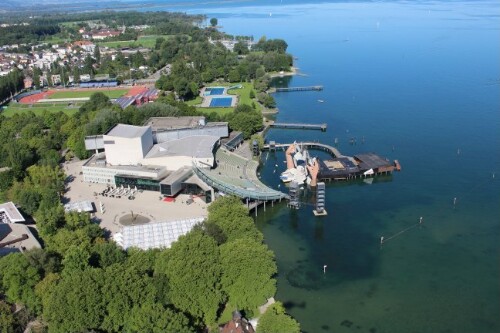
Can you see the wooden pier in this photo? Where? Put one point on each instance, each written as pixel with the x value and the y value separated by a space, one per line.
pixel 334 152
pixel 308 88
pixel 321 127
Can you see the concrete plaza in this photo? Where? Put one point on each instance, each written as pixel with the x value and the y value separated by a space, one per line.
pixel 147 203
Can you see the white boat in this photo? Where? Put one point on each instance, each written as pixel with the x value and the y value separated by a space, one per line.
pixel 320 100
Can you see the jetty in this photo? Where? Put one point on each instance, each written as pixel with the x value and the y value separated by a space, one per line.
pixel 334 152
pixel 308 88
pixel 321 127
pixel 342 167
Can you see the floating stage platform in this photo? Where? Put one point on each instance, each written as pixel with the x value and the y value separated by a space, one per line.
pixel 342 167
pixel 356 167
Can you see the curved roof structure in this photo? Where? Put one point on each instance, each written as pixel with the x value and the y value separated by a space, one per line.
pixel 237 175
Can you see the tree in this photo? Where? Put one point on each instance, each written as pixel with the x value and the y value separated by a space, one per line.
pixel 18 279
pixel 231 216
pixel 6 318
pixel 106 254
pixel 241 47
pixel 248 268
pixel 234 76
pixel 155 318
pixel 75 304
pixel 97 54
pixel 275 320
pixel 76 260
pixel 194 271
pixel 213 22
pixel 77 220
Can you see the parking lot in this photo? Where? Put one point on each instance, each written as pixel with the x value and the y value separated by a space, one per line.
pixel 116 203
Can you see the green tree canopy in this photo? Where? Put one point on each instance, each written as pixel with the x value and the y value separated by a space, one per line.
pixel 194 272
pixel 247 276
pixel 275 320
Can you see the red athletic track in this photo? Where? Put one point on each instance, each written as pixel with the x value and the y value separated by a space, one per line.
pixel 36 97
pixel 44 95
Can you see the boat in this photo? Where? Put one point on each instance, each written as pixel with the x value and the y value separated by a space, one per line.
pixel 320 101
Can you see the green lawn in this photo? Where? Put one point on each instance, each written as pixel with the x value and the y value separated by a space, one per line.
pixel 38 109
pixel 80 94
pixel 243 93
pixel 143 41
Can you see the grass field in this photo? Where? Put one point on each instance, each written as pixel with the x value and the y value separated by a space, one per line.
pixel 143 41
pixel 80 94
pixel 38 109
pixel 244 98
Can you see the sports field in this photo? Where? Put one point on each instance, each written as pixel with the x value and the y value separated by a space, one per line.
pixel 115 93
pixel 143 41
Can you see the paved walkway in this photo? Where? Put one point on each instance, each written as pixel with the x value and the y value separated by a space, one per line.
pixel 147 203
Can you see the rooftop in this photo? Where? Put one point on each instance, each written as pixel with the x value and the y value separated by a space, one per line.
pixel 154 235
pixel 99 160
pixel 164 123
pixel 127 131
pixel 11 212
pixel 199 146
pixel 15 238
pixel 371 161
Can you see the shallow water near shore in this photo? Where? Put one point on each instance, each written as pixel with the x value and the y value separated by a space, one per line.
pixel 419 82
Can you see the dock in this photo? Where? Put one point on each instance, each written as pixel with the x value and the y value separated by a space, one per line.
pixel 342 167
pixel 308 88
pixel 334 152
pixel 321 127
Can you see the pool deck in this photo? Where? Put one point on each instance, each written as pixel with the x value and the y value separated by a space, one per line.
pixel 208 99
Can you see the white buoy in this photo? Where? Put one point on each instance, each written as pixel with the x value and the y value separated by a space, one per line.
pixel 324 269
pixel 421 218
pixel 381 240
pixel 454 201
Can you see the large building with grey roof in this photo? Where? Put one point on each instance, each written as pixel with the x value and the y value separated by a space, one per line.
pixel 128 155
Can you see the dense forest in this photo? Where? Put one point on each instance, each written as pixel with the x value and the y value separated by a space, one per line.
pixel 11 84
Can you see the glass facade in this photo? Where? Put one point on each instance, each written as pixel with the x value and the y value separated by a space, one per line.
pixel 141 183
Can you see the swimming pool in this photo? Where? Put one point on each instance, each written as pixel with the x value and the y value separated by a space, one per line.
pixel 218 102
pixel 214 91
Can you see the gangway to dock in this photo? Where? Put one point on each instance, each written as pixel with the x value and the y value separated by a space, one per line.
pixel 321 127
pixel 308 88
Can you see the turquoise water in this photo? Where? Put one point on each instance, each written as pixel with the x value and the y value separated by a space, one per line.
pixel 420 82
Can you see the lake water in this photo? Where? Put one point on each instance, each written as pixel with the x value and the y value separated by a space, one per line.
pixel 420 82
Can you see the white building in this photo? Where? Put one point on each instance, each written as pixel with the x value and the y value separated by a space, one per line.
pixel 127 144
pixel 130 158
